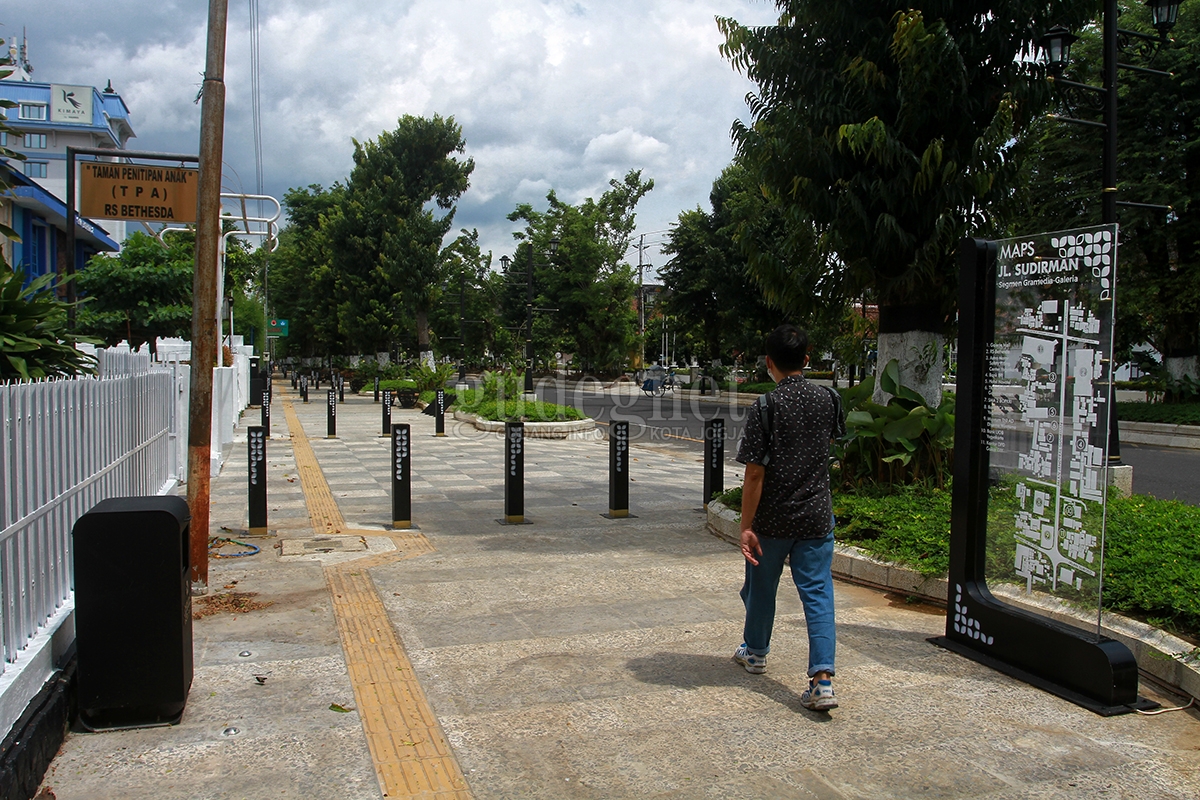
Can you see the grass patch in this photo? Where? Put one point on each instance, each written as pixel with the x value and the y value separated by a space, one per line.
pixel 1166 413
pixel 1151 560
pixel 906 524
pixel 520 410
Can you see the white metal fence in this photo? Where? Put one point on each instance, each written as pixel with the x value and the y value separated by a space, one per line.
pixel 67 445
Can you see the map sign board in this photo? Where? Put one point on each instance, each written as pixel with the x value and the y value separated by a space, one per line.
pixel 1030 465
pixel 1047 393
pixel 138 192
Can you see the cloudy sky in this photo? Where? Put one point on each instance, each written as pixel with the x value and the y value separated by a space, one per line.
pixel 561 94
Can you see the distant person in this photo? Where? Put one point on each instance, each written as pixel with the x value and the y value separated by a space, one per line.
pixel 787 510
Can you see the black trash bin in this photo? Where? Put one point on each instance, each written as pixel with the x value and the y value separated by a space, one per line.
pixel 257 382
pixel 133 612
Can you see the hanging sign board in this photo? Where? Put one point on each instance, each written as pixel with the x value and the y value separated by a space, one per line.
pixel 138 192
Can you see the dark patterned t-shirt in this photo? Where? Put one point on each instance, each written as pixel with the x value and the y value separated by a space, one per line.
pixel 796 502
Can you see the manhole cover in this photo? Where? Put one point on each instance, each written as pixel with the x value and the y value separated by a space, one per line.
pixel 323 544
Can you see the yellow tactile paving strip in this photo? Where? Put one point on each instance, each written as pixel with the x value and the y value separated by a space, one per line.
pixel 412 758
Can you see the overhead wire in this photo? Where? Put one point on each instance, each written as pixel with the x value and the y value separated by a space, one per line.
pixel 256 125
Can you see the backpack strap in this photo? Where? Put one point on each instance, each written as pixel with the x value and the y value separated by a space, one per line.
pixel 766 418
pixel 839 416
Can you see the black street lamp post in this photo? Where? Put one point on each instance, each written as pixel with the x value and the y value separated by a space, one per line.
pixel 1056 43
pixel 529 309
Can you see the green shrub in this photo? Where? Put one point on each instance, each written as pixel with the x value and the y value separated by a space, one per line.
pixel 397 384
pixel 427 379
pixel 1167 413
pixel 902 442
pixel 730 498
pixel 518 409
pixel 367 370
pixel 906 524
pixel 1152 562
pixel 755 388
pixel 34 339
pixel 494 385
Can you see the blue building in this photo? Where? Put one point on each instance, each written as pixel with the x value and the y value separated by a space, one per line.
pixel 49 118
pixel 40 219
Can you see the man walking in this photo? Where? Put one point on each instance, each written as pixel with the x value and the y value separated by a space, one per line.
pixel 787 510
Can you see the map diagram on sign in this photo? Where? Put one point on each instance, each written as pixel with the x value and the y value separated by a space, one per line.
pixel 1047 395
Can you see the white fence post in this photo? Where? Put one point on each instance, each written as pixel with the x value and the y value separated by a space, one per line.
pixel 67 445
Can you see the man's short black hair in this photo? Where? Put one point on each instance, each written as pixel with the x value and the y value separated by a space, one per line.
pixel 787 346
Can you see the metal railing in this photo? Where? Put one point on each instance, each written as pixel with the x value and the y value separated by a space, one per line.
pixel 67 445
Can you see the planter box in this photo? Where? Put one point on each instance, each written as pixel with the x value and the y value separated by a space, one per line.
pixel 575 429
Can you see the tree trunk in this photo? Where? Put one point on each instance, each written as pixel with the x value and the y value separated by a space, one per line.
pixel 426 352
pixel 1180 367
pixel 912 336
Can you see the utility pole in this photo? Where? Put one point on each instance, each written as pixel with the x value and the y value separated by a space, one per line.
pixel 462 336
pixel 1108 191
pixel 529 394
pixel 641 302
pixel 204 292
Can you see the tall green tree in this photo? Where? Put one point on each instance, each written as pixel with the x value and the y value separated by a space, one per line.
pixel 388 241
pixel 883 129
pixel 1158 162
pixel 710 291
pixel 140 294
pixel 472 293
pixel 302 282
pixel 587 281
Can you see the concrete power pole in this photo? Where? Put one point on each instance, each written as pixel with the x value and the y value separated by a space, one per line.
pixel 641 303
pixel 205 292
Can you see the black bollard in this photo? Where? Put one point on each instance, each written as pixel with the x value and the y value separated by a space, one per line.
pixel 401 476
pixel 341 384
pixel 266 412
pixel 294 383
pixel 304 389
pixel 376 389
pixel 331 415
pixel 714 458
pixel 514 473
pixel 387 413
pixel 439 428
pixel 316 381
pixel 618 471
pixel 256 437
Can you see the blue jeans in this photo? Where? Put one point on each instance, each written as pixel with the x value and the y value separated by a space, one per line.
pixel 812 562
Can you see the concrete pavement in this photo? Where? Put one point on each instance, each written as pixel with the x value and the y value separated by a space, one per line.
pixel 575 657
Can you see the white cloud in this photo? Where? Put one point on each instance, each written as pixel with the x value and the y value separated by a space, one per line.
pixel 550 93
pixel 626 146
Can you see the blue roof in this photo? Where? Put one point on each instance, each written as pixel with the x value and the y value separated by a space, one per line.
pixel 27 194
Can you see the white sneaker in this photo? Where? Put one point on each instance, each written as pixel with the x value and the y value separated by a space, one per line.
pixel 818 696
pixel 754 664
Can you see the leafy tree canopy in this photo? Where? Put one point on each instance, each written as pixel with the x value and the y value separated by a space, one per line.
pixel 387 241
pixel 142 293
pixel 710 292
pixel 587 281
pixel 883 130
pixel 1158 161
